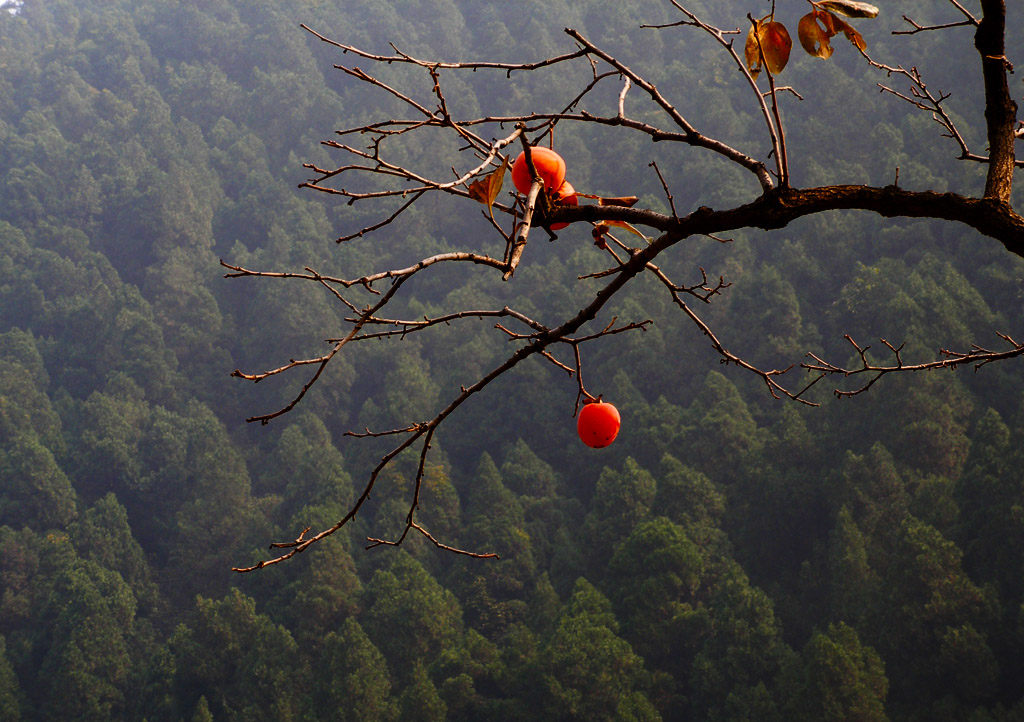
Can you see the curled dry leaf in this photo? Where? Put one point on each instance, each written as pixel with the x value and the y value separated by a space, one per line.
pixel 817 27
pixel 813 37
pixel 851 34
pixel 775 45
pixel 624 201
pixel 487 189
pixel 849 8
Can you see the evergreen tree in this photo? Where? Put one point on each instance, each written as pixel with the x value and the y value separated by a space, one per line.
pixel 837 679
pixel 354 684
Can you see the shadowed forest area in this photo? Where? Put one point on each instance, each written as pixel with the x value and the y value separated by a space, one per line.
pixel 731 557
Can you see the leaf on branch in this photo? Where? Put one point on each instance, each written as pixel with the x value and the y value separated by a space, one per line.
pixel 817 27
pixel 851 34
pixel 813 37
pixel 849 8
pixel 623 201
pixel 487 189
pixel 626 226
pixel 775 45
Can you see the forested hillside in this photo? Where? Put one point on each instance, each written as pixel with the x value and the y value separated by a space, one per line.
pixel 731 557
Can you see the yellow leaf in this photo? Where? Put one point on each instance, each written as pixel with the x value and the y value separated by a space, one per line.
pixel 813 37
pixel 849 8
pixel 627 226
pixel 487 190
pixel 751 52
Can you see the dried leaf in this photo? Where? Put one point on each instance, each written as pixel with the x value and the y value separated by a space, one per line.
pixel 623 201
pixel 813 37
pixel 751 52
pixel 775 46
pixel 828 22
pixel 487 189
pixel 851 34
pixel 627 226
pixel 849 8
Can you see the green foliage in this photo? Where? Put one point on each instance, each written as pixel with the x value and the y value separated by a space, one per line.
pixel 408 614
pixel 354 684
pixel 589 671
pixel 239 660
pixel 838 679
pixel 10 694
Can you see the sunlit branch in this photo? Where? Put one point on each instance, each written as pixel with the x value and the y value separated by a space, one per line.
pixel 727 43
pixel 369 229
pixel 382 167
pixel 923 28
pixel 401 57
pixel 776 207
pixel 321 362
pixel 691 135
pixel 969 19
pixel 779 135
pixel 404 328
pixel 920 96
pixel 770 378
pixel 977 356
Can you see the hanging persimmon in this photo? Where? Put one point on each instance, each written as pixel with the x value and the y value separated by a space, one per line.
pixel 598 424
pixel 550 167
pixel 565 195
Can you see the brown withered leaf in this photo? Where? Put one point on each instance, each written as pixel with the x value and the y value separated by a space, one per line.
pixel 775 46
pixel 849 8
pixel 851 34
pixel 623 201
pixel 487 189
pixel 814 38
pixel 750 51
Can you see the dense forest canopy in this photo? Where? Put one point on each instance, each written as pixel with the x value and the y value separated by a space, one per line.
pixel 730 557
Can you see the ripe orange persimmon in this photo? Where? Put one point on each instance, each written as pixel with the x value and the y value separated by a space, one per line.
pixel 566 195
pixel 549 165
pixel 598 424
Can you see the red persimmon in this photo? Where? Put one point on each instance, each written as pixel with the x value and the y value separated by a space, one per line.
pixel 598 424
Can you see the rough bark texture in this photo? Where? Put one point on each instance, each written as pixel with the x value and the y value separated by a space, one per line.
pixel 1000 109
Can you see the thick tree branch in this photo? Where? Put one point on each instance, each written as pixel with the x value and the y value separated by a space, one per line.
pixel 1000 109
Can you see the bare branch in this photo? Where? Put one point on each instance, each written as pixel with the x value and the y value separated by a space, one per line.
pixel 624 258
pixel 977 356
pixel 690 134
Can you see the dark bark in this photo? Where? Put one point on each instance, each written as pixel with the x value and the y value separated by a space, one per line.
pixel 1000 109
pixel 991 217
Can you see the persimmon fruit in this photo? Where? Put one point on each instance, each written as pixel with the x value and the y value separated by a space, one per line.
pixel 550 167
pixel 598 424
pixel 566 195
